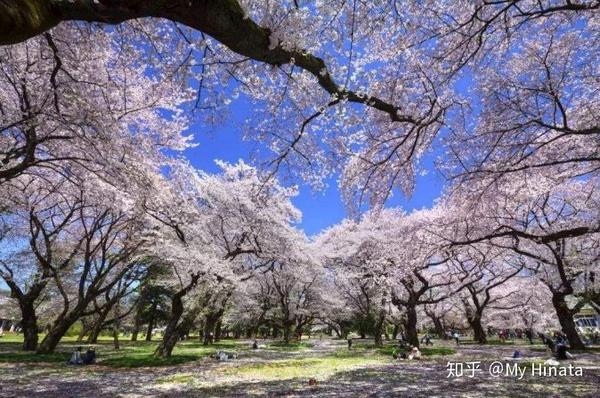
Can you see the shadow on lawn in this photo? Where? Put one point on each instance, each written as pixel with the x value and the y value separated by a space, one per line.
pixel 406 380
pixel 130 355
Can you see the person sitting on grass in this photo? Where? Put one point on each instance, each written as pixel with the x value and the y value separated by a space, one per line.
pixel 255 345
pixel 561 352
pixel 414 353
pixel 76 357
pixel 89 357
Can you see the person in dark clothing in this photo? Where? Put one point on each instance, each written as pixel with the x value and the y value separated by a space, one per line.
pixel 549 343
pixel 350 343
pixel 76 357
pixel 254 345
pixel 89 357
pixel 561 352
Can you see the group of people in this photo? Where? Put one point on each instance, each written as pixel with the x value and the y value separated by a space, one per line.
pixel 407 352
pixel 505 334
pixel 87 358
pixel 426 339
pixel 558 345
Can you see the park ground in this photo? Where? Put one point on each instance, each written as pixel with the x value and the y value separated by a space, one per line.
pixel 321 367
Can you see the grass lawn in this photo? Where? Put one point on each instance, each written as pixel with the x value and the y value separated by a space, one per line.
pixel 496 342
pixel 132 354
pixel 291 346
pixel 315 367
pixel 275 369
pixel 425 351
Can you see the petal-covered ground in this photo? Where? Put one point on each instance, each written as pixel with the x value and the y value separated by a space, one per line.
pixel 336 372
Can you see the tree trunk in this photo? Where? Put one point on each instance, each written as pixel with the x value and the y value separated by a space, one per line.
pixel 116 336
pixel 174 330
pixel 97 327
pixel 116 325
pixel 287 326
pixel 151 321
pixel 378 327
pixel 378 339
pixel 438 327
pixel 218 330
pixel 337 331
pixel 565 318
pixel 135 332
pixel 411 325
pixel 299 329
pixel 95 333
pixel 165 348
pixel 171 337
pixel 209 327
pixel 56 333
pixel 478 331
pixel 29 326
pixel 395 332
pixel 85 329
pixel 137 325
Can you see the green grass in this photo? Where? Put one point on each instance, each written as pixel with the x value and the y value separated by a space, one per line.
pixel 179 378
pixel 29 357
pixel 291 346
pixel 319 367
pixel 131 355
pixel 588 349
pixel 489 342
pixel 425 351
pixel 146 360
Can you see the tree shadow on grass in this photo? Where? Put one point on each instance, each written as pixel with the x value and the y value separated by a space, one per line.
pixel 407 380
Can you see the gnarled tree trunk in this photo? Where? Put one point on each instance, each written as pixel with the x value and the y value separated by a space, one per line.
pixel 175 330
pixel 410 325
pixel 478 331
pixel 565 318
pixel 29 326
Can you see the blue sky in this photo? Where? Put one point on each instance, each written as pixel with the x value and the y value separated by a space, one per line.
pixel 320 209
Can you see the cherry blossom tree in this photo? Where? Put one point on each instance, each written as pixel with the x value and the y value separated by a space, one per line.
pixel 213 231
pixel 525 307
pixel 393 258
pixel 553 228
pixel 488 284
pixel 74 98
pixel 40 215
pixel 537 111
pixel 296 297
pixel 365 87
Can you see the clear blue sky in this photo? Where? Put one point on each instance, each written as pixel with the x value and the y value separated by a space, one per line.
pixel 320 209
